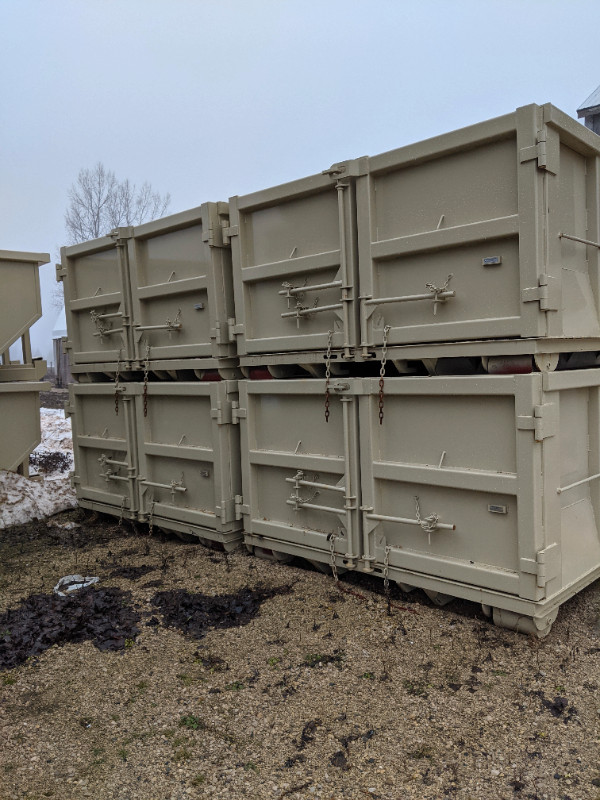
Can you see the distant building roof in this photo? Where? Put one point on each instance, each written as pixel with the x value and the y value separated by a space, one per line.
pixel 592 102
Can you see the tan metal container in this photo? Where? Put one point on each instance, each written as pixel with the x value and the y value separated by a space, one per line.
pixel 295 264
pixel 169 457
pixel 162 290
pixel 20 430
pixel 485 488
pixel 492 231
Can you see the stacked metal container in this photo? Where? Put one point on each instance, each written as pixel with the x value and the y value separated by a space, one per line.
pixel 20 379
pixel 444 297
pixel 419 335
pixel 148 312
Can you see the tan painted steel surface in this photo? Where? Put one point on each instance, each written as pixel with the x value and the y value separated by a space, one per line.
pixel 295 264
pixel 486 488
pixel 156 291
pixel 491 231
pixel 20 303
pixel 170 456
pixel 19 423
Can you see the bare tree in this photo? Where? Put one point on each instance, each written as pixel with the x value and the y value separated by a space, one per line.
pixel 98 202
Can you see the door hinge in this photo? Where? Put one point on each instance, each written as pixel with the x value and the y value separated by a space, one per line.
pixel 237 413
pixel 235 329
pixel 240 507
pixel 222 413
pixel 541 152
pixel 229 231
pixel 220 333
pixel 543 423
pixel 227 511
pixel 544 566
pixel 546 293
pixel 60 272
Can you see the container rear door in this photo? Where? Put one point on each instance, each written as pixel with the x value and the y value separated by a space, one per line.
pixel 300 472
pixel 182 286
pixel 439 479
pixel 104 446
pixel 96 280
pixel 189 453
pixel 294 260
pixel 439 237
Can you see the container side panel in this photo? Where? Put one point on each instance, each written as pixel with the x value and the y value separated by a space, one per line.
pixel 580 313
pixel 483 293
pixel 173 256
pixel 95 274
pixel 460 432
pixel 303 226
pixel 465 187
pixel 578 460
pixel 179 420
pixel 19 426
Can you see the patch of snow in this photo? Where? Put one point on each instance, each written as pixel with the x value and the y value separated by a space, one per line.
pixel 23 499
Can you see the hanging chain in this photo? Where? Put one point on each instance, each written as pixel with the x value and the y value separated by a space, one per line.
pixel 386 578
pixel 386 331
pixel 122 512
pixel 151 519
pixel 332 563
pixel 118 370
pixel 146 368
pixel 328 373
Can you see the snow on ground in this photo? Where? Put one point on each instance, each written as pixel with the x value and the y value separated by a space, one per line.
pixel 23 499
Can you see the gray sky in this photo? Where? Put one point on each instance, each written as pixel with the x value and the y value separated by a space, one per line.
pixel 210 98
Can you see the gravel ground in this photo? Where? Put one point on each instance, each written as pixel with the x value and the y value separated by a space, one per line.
pixel 321 694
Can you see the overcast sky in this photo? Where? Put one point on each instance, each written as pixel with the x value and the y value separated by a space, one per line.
pixel 210 98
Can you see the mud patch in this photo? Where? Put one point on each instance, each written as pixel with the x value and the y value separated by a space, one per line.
pixel 102 616
pixel 195 614
pixel 53 461
pixel 132 573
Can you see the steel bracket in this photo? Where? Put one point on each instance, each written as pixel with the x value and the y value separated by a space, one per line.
pixel 544 422
pixel 222 413
pixel 227 510
pixel 540 152
pixel 545 566
pixel 235 329
pixel 237 413
pixel 241 508
pixel 547 293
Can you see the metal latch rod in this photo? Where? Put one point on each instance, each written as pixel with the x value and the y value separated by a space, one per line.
pixel 383 518
pixel 114 463
pixel 168 326
pixel 306 311
pixel 578 483
pixel 299 503
pixel 578 239
pixel 109 316
pixel 410 297
pixel 108 332
pixel 109 476
pixel 316 485
pixel 172 487
pixel 316 288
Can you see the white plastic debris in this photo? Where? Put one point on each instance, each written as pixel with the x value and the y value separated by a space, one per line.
pixel 71 583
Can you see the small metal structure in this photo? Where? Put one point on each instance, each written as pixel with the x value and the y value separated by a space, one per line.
pixel 20 386
pixel 590 111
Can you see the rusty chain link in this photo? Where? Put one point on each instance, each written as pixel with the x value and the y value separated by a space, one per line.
pixel 332 563
pixel 146 369
pixel 386 331
pixel 328 373
pixel 118 370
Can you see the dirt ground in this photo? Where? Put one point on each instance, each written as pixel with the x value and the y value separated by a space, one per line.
pixel 320 693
